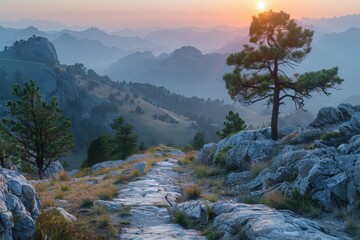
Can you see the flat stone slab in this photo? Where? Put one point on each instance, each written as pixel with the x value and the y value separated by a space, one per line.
pixel 165 231
pixel 146 216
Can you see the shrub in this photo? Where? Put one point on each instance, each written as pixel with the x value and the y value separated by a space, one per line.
pixel 108 194
pixel 329 135
pixel 202 171
pixel 212 234
pixel 181 219
pixel 63 177
pixel 86 203
pixel 52 225
pixel 192 192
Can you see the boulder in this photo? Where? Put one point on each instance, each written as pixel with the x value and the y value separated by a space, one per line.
pixel 331 115
pixel 238 178
pixel 352 127
pixel 108 205
pixel 107 164
pixel 305 135
pixel 67 216
pixel 53 169
pixel 195 209
pixel 206 154
pixel 288 157
pixel 354 145
pixel 248 152
pixel 323 180
pixel 261 222
pixel 247 135
pixel 20 206
pixel 141 166
pixel 137 157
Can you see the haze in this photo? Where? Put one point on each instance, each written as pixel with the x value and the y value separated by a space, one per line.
pixel 114 14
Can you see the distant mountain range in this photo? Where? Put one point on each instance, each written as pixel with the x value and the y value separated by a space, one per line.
pixel 157 56
pixel 92 101
pixel 186 71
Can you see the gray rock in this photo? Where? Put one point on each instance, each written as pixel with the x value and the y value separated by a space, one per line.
pixel 73 172
pixel 166 231
pixel 238 178
pixel 19 206
pixel 331 115
pixel 352 127
pixel 137 157
pixel 67 216
pixel 107 164
pixel 323 180
pixel 247 135
pixel 248 152
pixel 261 222
pixel 306 135
pixel 354 145
pixel 195 209
pixel 206 154
pixel 108 205
pixel 288 157
pixel 261 181
pixel 53 169
pixel 141 166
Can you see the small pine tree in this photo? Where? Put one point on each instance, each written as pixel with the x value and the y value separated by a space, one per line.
pixel 125 141
pixel 198 141
pixel 233 125
pixel 142 147
pixel 37 128
pixel 99 150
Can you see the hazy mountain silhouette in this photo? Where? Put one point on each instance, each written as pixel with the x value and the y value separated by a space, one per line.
pixel 91 53
pixel 335 24
pixel 185 71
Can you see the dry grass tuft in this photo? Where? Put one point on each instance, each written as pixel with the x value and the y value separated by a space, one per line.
pixel 192 192
pixel 63 177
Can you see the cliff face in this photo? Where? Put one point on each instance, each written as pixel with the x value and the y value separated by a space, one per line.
pixel 35 49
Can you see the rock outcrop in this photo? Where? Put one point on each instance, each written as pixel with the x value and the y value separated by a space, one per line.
pixel 20 206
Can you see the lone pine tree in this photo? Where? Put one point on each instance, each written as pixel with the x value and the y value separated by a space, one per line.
pixel 276 42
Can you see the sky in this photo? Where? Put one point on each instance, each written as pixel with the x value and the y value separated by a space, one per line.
pixel 113 14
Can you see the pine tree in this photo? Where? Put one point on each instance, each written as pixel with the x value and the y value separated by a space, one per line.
pixel 276 41
pixel 99 150
pixel 233 125
pixel 125 141
pixel 38 128
pixel 198 141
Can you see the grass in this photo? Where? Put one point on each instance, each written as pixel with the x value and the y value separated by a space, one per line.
pixel 86 203
pixel 212 234
pixel 63 177
pixel 203 171
pixel 51 225
pixel 257 168
pixel 192 192
pixel 330 135
pixel 109 193
pixel 352 219
pixel 248 199
pixel 210 197
pixel 181 219
pixel 59 195
pixel 296 202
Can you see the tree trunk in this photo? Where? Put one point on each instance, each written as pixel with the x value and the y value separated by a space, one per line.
pixel 275 114
pixel 40 174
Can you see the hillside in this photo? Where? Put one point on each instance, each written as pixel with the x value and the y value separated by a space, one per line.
pixel 92 101
pixel 185 71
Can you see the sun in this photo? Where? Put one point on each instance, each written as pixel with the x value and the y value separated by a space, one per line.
pixel 261 6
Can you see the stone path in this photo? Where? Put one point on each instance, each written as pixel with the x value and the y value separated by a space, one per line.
pixel 150 198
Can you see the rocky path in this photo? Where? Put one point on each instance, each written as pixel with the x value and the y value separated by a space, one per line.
pixel 150 198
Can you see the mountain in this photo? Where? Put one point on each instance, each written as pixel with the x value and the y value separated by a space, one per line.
pixel 44 25
pixel 126 43
pixel 185 71
pixel 91 53
pixel 10 35
pixel 204 39
pixel 335 24
pixel 235 45
pixel 92 101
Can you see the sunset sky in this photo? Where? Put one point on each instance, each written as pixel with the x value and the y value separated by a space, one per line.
pixel 114 14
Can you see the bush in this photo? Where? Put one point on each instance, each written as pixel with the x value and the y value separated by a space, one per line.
pixel 329 135
pixel 52 225
pixel 86 203
pixel 203 171
pixel 192 192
